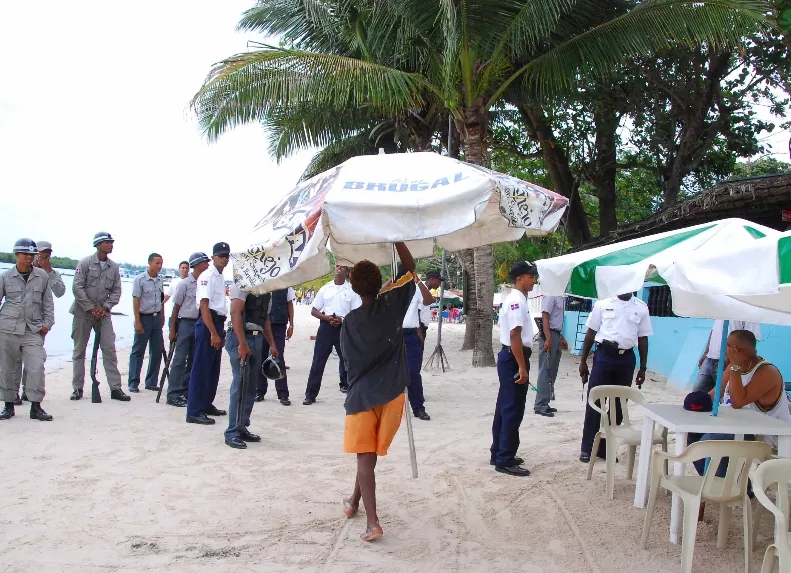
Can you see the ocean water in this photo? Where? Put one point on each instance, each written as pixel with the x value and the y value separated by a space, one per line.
pixel 58 342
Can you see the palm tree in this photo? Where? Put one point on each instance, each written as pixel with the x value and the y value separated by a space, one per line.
pixel 387 57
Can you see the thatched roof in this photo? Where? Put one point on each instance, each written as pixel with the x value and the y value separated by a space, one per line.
pixel 757 199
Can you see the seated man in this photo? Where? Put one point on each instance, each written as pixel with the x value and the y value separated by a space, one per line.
pixel 749 382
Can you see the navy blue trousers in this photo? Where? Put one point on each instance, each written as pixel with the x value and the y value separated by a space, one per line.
pixel 414 360
pixel 151 337
pixel 510 409
pixel 205 372
pixel 281 386
pixel 609 369
pixel 327 337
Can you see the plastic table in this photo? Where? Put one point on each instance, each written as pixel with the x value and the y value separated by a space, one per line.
pixel 680 421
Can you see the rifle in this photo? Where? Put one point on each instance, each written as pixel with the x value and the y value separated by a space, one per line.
pixel 166 371
pixel 96 397
pixel 242 392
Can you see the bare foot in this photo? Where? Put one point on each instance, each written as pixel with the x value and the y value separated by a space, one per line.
pixel 349 510
pixel 372 533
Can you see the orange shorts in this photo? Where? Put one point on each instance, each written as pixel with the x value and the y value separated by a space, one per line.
pixel 373 430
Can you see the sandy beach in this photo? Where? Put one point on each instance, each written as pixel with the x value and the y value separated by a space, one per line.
pixel 131 487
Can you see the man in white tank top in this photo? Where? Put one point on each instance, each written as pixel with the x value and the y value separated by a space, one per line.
pixel 749 382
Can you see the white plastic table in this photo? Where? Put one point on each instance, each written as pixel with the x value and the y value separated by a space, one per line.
pixel 680 421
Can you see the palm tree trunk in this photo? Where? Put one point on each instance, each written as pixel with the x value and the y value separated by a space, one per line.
pixel 468 261
pixel 473 135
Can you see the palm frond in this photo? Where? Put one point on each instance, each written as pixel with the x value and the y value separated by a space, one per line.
pixel 248 87
pixel 653 26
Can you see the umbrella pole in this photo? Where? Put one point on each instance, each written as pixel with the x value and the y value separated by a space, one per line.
pixel 715 407
pixel 407 410
pixel 439 352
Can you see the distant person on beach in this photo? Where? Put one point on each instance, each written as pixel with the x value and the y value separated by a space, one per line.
pixel 182 331
pixel 184 271
pixel 26 315
pixel 148 295
pixel 617 325
pixel 707 365
pixel 281 317
pixel 41 261
pixel 299 296
pixel 333 302
pixel 513 369
pixel 372 340
pixel 209 339
pixel 552 345
pixel 97 289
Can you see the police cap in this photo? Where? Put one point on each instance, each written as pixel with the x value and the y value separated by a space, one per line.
pixel 102 237
pixel 198 258
pixel 26 246
pixel 523 268
pixel 44 246
pixel 221 249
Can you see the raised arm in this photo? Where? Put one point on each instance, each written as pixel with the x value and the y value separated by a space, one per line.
pixel 406 257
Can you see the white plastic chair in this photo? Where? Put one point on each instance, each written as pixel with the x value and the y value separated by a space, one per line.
pixel 728 491
pixel 769 473
pixel 608 396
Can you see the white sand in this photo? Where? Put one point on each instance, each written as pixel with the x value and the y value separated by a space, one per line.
pixel 132 487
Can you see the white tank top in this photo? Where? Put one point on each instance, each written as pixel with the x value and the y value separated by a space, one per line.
pixel 780 410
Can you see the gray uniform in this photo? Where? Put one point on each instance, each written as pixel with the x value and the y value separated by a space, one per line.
pixel 58 289
pixel 95 286
pixel 548 365
pixel 181 363
pixel 27 308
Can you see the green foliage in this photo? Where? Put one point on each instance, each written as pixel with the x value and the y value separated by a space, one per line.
pixel 57 262
pixel 763 166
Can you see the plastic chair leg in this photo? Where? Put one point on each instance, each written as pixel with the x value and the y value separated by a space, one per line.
pixel 725 524
pixel 630 466
pixel 769 559
pixel 649 511
pixel 759 511
pixel 748 534
pixel 689 535
pixel 594 451
pixel 612 451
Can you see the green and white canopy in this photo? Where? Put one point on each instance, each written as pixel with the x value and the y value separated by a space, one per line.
pixel 699 291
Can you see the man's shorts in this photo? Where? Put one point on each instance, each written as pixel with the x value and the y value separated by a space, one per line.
pixel 373 430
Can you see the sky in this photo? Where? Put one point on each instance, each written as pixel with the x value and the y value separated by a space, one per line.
pixel 96 132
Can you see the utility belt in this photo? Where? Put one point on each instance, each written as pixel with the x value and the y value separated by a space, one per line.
pixel 185 318
pixel 409 330
pixel 528 352
pixel 216 316
pixel 610 348
pixel 555 330
pixel 151 313
pixel 252 329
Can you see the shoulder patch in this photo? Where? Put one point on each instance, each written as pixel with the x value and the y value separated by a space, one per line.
pixel 515 306
pixel 204 283
pixel 78 269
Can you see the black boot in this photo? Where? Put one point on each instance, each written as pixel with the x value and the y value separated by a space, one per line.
pixel 24 397
pixel 38 413
pixel 76 395
pixel 17 401
pixel 8 411
pixel 119 395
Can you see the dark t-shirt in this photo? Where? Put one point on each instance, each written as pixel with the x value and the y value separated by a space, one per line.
pixel 372 342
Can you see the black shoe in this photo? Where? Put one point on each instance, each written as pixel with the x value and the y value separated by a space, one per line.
pixel 7 412
pixel 546 413
pixel 344 389
pixel 153 388
pixel 200 419
pixel 422 415
pixel 38 413
pixel 24 397
pixel 513 462
pixel 259 397
pixel 235 442
pixel 285 402
pixel 214 411
pixel 76 395
pixel 118 395
pixel 134 390
pixel 553 410
pixel 585 458
pixel 177 402
pixel 248 436
pixel 513 470
pixel 308 401
pixel 17 401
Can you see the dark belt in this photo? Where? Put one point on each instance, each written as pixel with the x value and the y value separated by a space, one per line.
pixel 611 348
pixel 528 352
pixel 216 316
pixel 410 330
pixel 254 332
pixel 150 313
pixel 556 330
pixel 185 318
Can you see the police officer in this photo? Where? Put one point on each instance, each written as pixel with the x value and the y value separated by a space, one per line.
pixel 148 294
pixel 617 325
pixel 27 314
pixel 513 367
pixel 250 332
pixel 41 261
pixel 552 344
pixel 281 317
pixel 182 331
pixel 97 289
pixel 209 339
pixel 333 302
pixel 413 341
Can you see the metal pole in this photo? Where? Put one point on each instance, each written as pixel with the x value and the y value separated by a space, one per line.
pixel 441 296
pixel 715 407
pixel 407 409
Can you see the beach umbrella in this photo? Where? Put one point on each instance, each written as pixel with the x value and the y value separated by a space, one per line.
pixel 361 207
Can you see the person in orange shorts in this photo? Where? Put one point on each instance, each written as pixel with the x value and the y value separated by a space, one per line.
pixel 372 344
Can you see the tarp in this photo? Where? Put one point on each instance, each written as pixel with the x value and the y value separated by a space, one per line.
pixel 369 202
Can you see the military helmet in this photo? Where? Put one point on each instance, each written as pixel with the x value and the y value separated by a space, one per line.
pixel 271 369
pixel 102 237
pixel 26 246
